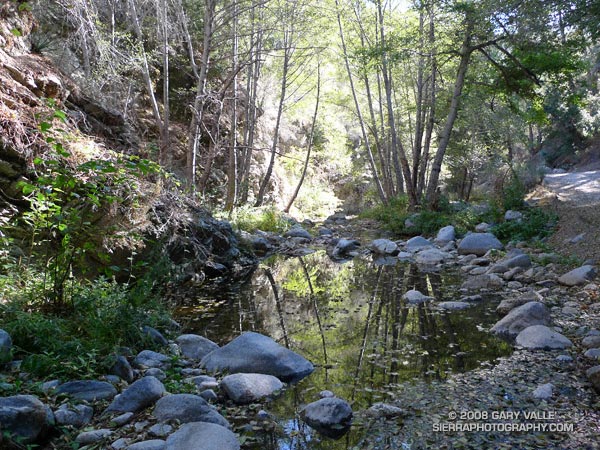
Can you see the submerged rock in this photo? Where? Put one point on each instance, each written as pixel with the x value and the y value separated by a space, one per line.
pixel 202 436
pixel 256 353
pixel 479 244
pixel 540 337
pixel 245 388
pixel 520 318
pixel 331 417
pixel 454 306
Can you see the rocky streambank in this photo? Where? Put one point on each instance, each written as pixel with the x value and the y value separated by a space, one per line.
pixel 178 398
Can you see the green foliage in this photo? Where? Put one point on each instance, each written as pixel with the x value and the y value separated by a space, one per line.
pixel 536 224
pixel 265 219
pixel 65 202
pixel 513 195
pixel 78 344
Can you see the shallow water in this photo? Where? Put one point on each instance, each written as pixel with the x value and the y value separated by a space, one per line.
pixel 349 319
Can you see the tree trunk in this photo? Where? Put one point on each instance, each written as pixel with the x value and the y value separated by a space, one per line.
pixel 465 55
pixel 310 143
pixel 380 190
pixel 232 168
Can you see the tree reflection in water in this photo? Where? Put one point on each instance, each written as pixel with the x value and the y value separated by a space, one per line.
pixel 352 322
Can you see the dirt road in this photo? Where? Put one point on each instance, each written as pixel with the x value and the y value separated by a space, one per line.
pixel 575 197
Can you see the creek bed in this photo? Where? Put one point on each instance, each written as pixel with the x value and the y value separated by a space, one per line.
pixel 350 320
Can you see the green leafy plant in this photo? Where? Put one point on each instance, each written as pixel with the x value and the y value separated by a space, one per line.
pixel 535 224
pixel 264 219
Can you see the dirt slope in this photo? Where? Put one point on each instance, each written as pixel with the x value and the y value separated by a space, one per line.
pixel 575 197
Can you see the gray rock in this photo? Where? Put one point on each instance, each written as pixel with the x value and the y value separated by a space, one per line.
pixel 202 436
pixel 120 444
pixel 576 239
pixel 297 232
pixel 445 235
pixel 154 444
pixel 329 416
pixel 255 353
pixel 76 416
pixel 144 392
pixel 471 298
pixel 482 227
pixel 384 247
pixel 564 358
pixel 48 386
pixel 592 353
pixel 405 256
pixel 385 411
pixel 5 346
pixel 417 243
pixel 194 346
pixel 209 395
pixel 478 244
pixel 148 358
pixel 323 231
pixel 93 436
pixel 326 394
pixel 513 215
pixel 343 248
pixel 544 392
pixel 186 408
pixel 156 373
pixel 593 374
pixel 543 338
pixel 204 382
pixel 88 390
pixel 431 256
pixel 454 306
pixel 578 276
pixel 509 304
pixel 160 430
pixel 245 388
pixel 122 369
pixel 155 335
pixel 483 281
pixel 122 419
pixel 522 261
pixel 24 416
pixel 415 297
pixel 592 341
pixel 520 318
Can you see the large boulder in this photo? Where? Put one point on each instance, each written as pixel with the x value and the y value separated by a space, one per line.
pixel 245 388
pixel 329 416
pixel 194 346
pixel 520 318
pixel 144 392
pixel 540 337
pixel 478 244
pixel 88 390
pixel 25 417
pixel 185 408
pixel 579 276
pixel 256 353
pixel 384 247
pixel 202 436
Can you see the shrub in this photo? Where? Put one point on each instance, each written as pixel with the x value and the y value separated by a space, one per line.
pixel 536 224
pixel 266 219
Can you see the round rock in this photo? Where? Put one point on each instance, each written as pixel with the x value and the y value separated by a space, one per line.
pixel 88 390
pixel 542 338
pixel 194 346
pixel 245 388
pixel 144 392
pixel 479 244
pixel 202 436
pixel 24 416
pixel 187 408
pixel 329 416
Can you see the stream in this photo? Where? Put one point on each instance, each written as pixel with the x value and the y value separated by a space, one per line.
pixel 350 321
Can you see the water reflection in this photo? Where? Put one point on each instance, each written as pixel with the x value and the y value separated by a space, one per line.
pixel 350 320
